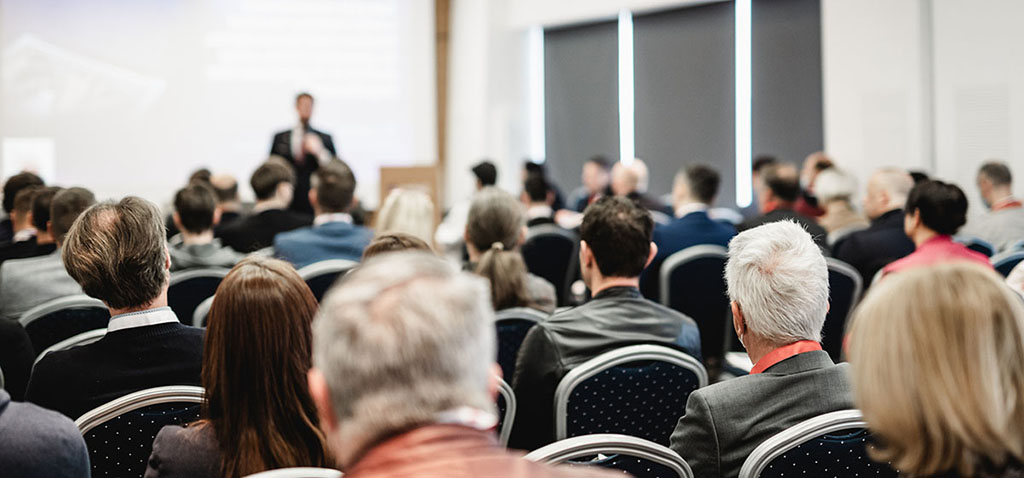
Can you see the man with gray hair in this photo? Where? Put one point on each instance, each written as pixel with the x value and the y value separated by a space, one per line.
pixel 403 374
pixel 778 285
pixel 117 252
pixel 1003 225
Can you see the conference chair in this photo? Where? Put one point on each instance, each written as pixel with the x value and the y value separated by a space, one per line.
pixel 506 410
pixel 202 311
pixel 692 281
pixel 832 445
pixel 636 456
pixel 637 390
pixel 83 338
pixel 551 253
pixel 977 245
pixel 120 434
pixel 513 325
pixel 1 378
pixel 1005 262
pixel 62 318
pixel 320 276
pixel 302 472
pixel 191 287
pixel 845 286
pixel 1016 246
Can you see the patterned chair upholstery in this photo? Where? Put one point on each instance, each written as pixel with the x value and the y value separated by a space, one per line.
pixel 692 281
pixel 513 325
pixel 551 252
pixel 830 445
pixel 639 390
pixel 191 287
pixel 320 276
pixel 632 455
pixel 845 286
pixel 63 318
pixel 120 434
pixel 506 411
pixel 977 245
pixel 1005 262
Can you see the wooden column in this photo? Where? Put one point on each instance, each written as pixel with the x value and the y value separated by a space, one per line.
pixel 442 23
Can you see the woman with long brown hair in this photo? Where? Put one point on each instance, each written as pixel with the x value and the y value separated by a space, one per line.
pixel 257 414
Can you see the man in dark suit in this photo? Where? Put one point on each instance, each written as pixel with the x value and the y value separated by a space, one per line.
pixel 304 148
pixel 273 182
pixel 631 181
pixel 332 236
pixel 884 241
pixel 11 187
pixel 777 193
pixel 596 178
pixel 25 232
pixel 117 252
pixel 693 192
pixel 778 285
pixel 538 200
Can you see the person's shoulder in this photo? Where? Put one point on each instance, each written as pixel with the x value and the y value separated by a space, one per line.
pixel 293 235
pixel 45 427
pixel 185 437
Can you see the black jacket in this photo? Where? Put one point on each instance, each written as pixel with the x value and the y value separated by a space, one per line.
pixel 16 357
pixel 25 249
pixel 614 318
pixel 870 250
pixel 257 231
pixel 817 232
pixel 282 146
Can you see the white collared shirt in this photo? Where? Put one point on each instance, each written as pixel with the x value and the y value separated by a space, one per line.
pixel 540 210
pixel 142 318
pixel 691 207
pixel 24 234
pixel 332 217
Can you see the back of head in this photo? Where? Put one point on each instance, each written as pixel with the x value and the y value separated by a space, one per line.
pixel 410 211
pixel 494 216
pixel 225 186
pixel 394 242
pixel 887 190
pixel 65 207
pixel 268 176
pixel 783 181
pixel 624 180
pixel 23 200
pixel 834 184
pixel 600 162
pixel 400 340
pixel 507 274
pixel 117 252
pixel 937 370
pixel 16 183
pixel 762 161
pixel 257 352
pixel 943 206
pixel 618 233
pixel 997 173
pixel 42 202
pixel 536 188
pixel 486 173
pixel 335 186
pixel 779 279
pixel 196 205
pixel 201 175
pixel 702 181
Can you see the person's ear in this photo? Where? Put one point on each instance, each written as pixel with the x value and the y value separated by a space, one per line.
pixel 522 236
pixel 651 254
pixel 49 229
pixel 167 259
pixel 549 199
pixel 322 398
pixel 216 215
pixel 586 255
pixel 739 323
pixel 176 219
pixel 313 198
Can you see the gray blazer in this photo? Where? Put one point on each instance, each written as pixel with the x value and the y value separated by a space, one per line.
pixel 184 452
pixel 26 283
pixel 726 421
pixel 39 443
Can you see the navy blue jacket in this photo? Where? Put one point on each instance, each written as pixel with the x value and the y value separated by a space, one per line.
pixel 332 240
pixel 693 229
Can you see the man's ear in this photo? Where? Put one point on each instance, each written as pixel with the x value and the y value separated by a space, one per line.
pixel 322 398
pixel 650 255
pixel 167 258
pixel 586 255
pixel 522 236
pixel 739 323
pixel 176 218
pixel 313 198
pixel 216 216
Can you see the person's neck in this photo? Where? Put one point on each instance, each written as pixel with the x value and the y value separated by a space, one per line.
pixel 837 205
pixel 686 206
pixel 923 235
pixel 230 206
pixel 599 284
pixel 159 301
pixel 190 239
pixel 268 204
pixel 999 195
pixel 757 347
pixel 773 204
pixel 44 238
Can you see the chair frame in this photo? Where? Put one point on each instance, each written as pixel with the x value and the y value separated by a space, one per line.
pixel 520 313
pixel 607 360
pixel 796 435
pixel 58 304
pixel 328 266
pixel 1010 254
pixel 967 241
pixel 1016 246
pixel 610 443
pixel 505 390
pixel 202 311
pixel 188 274
pixel 858 281
pixel 297 472
pixel 565 288
pixel 137 400
pixel 83 338
pixel 681 257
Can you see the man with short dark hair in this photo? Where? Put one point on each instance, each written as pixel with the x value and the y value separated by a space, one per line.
pixel 615 247
pixel 117 252
pixel 777 193
pixel 26 283
pixel 448 235
pixel 304 149
pixel 195 215
pixel 538 200
pixel 273 182
pixel 226 188
pixel 1003 225
pixel 332 236
pixel 11 187
pixel 24 239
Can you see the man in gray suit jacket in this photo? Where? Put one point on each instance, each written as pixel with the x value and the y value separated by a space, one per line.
pixel 778 285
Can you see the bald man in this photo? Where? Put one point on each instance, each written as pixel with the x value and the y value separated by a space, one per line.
pixel 630 181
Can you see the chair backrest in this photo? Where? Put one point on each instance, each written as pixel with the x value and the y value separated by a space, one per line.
pixel 302 472
pixel 1 378
pixel 83 338
pixel 191 287
pixel 120 434
pixel 1016 246
pixel 320 276
pixel 977 245
pixel 636 456
pixel 550 252
pixel 638 390
pixel 202 310
pixel 844 289
pixel 506 411
pixel 692 281
pixel 513 325
pixel 1005 262
pixel 831 445
pixel 62 318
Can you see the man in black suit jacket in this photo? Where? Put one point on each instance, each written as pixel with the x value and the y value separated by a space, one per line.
pixel 538 200
pixel 777 193
pixel 304 148
pixel 273 184
pixel 117 252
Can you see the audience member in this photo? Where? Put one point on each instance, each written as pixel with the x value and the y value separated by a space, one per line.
pixel 226 188
pixel 395 242
pixel 631 180
pixel 615 247
pixel 918 176
pixel 693 192
pixel 449 234
pixel 273 183
pixel 497 220
pixel 409 211
pixel 532 167
pixel 118 253
pixel 777 192
pixel 538 200
pixel 39 443
pixel 26 283
pixel 257 414
pixel 778 285
pixel 807 204
pixel 195 215
pixel 200 176
pixel 835 189
pixel 936 370
pixel 506 271
pixel 16 357
pixel 332 235
pixel 403 376
pixel 596 178
pixel 11 187
pixel 883 241
pixel 934 212
pixel 1003 225
pixel 24 241
pixel 303 150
